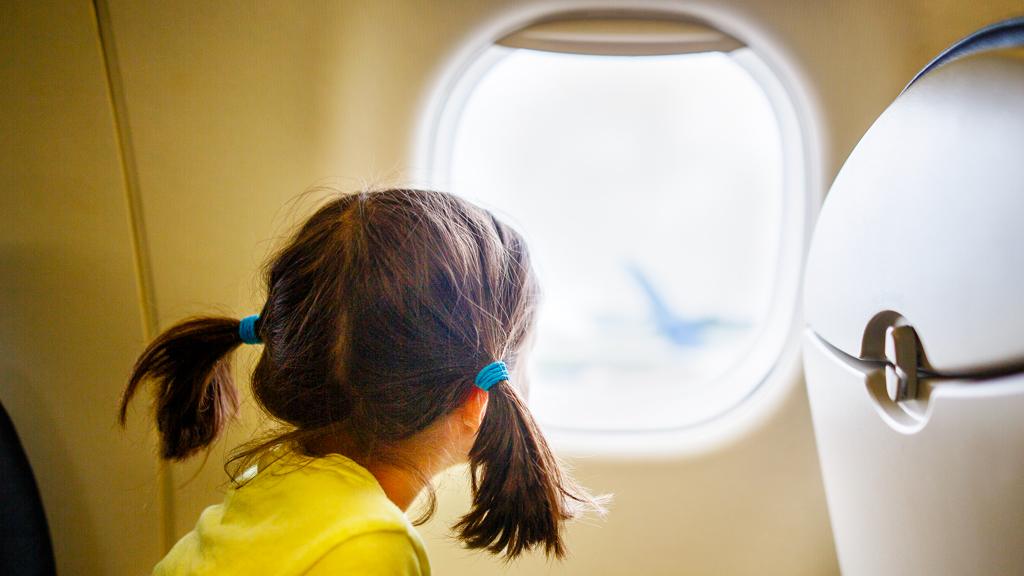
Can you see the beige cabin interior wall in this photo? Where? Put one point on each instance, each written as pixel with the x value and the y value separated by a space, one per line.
pixel 70 320
pixel 231 109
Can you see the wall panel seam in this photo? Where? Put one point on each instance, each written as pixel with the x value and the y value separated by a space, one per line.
pixel 140 246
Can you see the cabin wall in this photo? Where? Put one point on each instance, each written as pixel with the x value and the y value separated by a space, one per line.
pixel 70 318
pixel 227 111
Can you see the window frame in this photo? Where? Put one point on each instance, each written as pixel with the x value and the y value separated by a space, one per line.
pixel 774 359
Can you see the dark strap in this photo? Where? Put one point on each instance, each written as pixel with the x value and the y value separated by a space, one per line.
pixel 1005 34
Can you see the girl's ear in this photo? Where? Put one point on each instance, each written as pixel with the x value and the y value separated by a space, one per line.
pixel 474 409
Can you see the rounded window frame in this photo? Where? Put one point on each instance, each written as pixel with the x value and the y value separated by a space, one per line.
pixel 777 353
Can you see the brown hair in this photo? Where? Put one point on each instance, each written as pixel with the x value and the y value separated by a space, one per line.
pixel 380 311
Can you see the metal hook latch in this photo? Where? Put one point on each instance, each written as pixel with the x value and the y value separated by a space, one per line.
pixel 901 363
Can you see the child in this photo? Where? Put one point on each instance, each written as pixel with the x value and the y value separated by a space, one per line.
pixel 392 321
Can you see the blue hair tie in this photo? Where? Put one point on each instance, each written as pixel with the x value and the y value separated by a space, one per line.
pixel 491 374
pixel 247 329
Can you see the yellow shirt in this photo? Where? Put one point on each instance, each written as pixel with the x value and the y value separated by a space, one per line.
pixel 302 516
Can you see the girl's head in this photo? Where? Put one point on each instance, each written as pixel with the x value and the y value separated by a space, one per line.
pixel 380 312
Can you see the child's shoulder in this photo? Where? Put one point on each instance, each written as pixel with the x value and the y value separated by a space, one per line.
pixel 291 513
pixel 332 488
pixel 330 498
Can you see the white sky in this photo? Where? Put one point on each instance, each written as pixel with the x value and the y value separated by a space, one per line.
pixel 670 165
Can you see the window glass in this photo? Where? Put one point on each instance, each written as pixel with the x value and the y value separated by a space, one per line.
pixel 650 192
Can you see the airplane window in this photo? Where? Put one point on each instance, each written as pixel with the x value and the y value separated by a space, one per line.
pixel 650 190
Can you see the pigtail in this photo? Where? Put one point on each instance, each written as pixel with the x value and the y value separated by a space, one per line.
pixel 521 496
pixel 195 394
